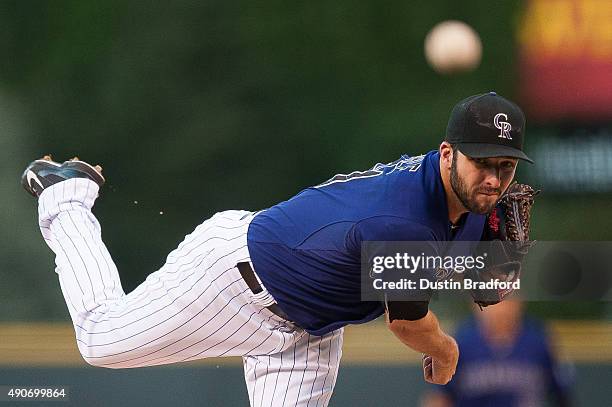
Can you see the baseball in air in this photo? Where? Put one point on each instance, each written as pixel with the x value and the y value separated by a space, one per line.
pixel 452 47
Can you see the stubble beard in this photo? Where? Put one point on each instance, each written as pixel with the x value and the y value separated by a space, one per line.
pixel 462 192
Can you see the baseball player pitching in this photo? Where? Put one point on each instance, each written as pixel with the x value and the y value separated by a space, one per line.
pixel 278 286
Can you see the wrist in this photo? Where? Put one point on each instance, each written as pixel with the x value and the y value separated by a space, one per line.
pixel 448 351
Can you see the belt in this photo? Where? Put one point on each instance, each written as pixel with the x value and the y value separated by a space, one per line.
pixel 249 277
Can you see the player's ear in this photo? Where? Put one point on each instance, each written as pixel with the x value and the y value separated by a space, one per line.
pixel 446 154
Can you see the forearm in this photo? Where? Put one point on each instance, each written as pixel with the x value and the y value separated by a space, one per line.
pixel 424 335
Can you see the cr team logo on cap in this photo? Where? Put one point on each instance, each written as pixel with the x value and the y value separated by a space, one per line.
pixel 503 126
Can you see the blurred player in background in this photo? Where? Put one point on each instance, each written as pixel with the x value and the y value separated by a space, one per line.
pixel 505 360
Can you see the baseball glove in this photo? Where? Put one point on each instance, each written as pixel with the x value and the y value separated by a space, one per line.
pixel 506 241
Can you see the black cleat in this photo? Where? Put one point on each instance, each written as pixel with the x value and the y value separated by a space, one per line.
pixel 43 173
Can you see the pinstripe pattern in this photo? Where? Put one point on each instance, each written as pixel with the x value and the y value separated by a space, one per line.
pixel 195 306
pixel 304 374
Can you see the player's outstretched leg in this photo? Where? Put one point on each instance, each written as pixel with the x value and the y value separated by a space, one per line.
pixel 197 305
pixel 304 374
pixel 87 275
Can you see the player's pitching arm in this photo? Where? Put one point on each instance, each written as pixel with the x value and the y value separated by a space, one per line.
pixel 440 351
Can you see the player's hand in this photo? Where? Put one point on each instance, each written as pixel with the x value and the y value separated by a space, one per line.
pixel 440 370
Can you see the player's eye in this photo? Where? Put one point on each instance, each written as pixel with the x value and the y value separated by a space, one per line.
pixel 507 165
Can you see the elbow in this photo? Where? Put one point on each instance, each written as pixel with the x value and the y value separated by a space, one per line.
pixel 403 327
pixel 397 326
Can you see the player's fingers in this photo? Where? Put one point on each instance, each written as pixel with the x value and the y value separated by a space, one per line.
pixel 442 375
pixel 428 374
pixel 427 368
pixel 434 373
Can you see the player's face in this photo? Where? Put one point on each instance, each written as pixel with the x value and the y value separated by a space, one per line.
pixel 480 182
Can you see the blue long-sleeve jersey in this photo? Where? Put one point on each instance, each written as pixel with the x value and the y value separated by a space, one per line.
pixel 306 250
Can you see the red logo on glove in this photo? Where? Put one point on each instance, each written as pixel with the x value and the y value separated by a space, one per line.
pixel 494 221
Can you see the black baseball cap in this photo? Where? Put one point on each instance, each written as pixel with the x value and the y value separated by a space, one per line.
pixel 487 125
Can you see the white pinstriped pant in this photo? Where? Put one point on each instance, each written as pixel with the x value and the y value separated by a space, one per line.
pixel 195 306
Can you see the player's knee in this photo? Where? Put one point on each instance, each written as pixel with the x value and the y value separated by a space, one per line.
pixel 97 349
pixel 101 361
pixel 106 356
pixel 91 361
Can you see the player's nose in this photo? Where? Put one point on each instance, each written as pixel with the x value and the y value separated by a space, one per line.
pixel 492 179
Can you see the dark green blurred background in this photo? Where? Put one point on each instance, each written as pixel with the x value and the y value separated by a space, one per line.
pixel 195 107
